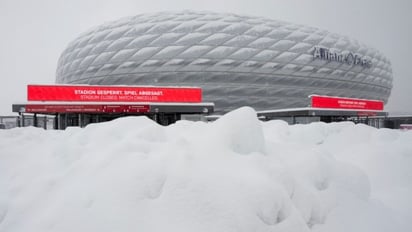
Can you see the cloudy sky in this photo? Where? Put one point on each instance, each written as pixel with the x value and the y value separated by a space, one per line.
pixel 34 33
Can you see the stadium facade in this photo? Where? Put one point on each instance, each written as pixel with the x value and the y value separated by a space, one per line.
pixel 237 60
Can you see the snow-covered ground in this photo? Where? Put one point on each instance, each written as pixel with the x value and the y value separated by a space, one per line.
pixel 236 174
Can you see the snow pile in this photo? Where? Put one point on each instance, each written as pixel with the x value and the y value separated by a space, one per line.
pixel 236 174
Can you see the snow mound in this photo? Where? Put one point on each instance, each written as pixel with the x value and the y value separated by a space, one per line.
pixel 241 130
pixel 235 174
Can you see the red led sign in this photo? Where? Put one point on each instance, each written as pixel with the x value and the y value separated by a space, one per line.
pixel 345 103
pixel 113 93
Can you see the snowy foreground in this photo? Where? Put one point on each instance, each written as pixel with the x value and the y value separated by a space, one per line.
pixel 236 174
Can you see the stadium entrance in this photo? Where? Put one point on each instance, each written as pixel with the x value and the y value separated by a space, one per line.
pixel 80 105
pixel 331 109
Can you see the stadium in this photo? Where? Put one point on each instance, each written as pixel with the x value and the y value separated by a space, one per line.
pixel 237 60
pixel 170 66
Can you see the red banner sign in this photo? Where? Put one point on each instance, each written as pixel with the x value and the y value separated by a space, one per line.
pixel 33 108
pixel 113 93
pixel 405 126
pixel 345 103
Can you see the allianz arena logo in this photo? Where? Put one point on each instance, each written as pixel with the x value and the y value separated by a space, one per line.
pixel 342 57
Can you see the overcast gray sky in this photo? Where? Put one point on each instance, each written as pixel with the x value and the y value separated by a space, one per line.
pixel 34 33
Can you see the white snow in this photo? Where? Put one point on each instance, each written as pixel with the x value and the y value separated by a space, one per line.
pixel 235 174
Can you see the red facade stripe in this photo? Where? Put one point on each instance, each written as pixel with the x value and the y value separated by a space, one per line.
pixel 52 108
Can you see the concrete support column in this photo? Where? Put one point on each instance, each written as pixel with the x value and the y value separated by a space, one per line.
pixel 80 121
pixel 56 122
pixel 21 120
pixel 35 120
pixel 45 122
